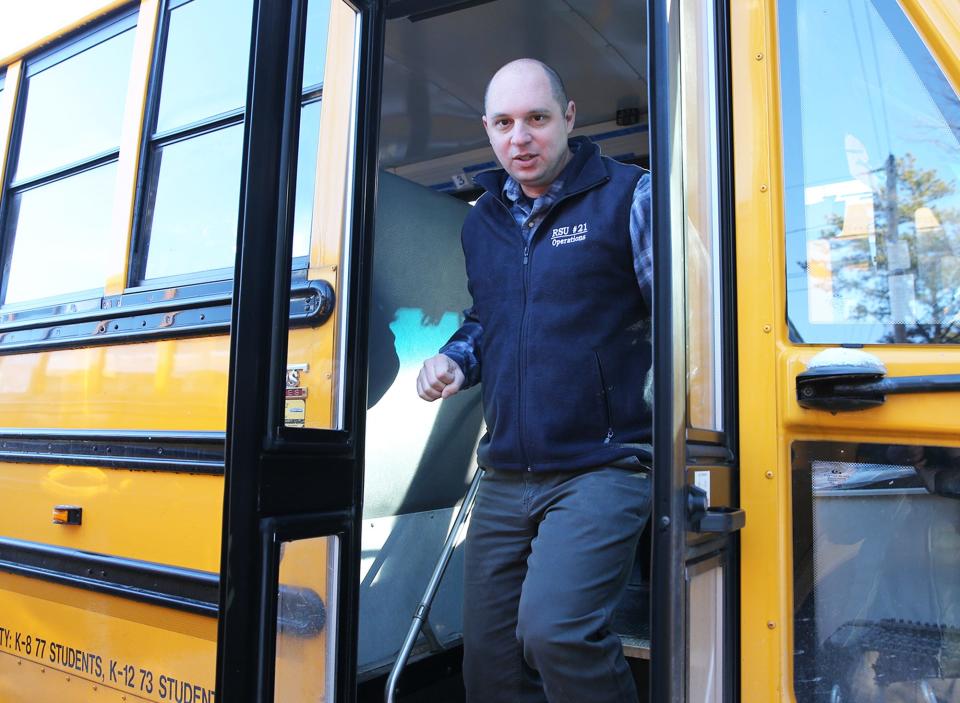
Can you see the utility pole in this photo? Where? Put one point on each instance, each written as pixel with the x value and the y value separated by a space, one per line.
pixel 896 274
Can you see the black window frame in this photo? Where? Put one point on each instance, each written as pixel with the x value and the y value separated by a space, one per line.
pixel 112 25
pixel 151 141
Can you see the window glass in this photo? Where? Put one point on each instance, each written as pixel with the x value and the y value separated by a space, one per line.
pixel 306 177
pixel 307 618
pixel 206 60
pixel 876 572
pixel 872 167
pixel 191 204
pixel 59 232
pixel 315 363
pixel 315 50
pixel 702 218
pixel 74 109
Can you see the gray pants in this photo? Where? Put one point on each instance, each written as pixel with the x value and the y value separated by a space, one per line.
pixel 547 558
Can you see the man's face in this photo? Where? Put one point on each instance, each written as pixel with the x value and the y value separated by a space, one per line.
pixel 526 126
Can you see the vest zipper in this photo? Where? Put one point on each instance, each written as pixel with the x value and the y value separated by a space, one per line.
pixel 606 400
pixel 522 355
pixel 521 351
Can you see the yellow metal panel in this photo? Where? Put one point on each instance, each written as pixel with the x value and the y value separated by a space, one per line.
pixel 168 518
pixel 764 476
pixel 32 26
pixel 938 23
pixel 129 160
pixel 25 681
pixel 176 384
pixel 122 647
pixel 8 101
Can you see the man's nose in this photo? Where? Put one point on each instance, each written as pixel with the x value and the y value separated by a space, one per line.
pixel 520 134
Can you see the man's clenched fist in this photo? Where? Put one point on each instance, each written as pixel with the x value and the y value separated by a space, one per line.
pixel 440 377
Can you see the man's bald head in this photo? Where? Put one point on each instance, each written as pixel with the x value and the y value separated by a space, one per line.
pixel 556 83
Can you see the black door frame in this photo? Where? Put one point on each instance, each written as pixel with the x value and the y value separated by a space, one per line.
pixel 668 617
pixel 282 483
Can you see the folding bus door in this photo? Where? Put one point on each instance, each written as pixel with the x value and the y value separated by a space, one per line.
pixel 290 551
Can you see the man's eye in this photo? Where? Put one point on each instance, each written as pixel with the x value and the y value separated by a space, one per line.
pixel 502 123
pixel 539 118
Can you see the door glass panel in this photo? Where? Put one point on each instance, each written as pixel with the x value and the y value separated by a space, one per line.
pixel 876 572
pixel 705 617
pixel 322 212
pixel 307 620
pixel 871 132
pixel 60 231
pixel 702 218
pixel 205 63
pixel 74 109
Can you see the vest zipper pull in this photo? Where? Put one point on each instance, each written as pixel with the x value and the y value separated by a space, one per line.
pixel 526 252
pixel 609 435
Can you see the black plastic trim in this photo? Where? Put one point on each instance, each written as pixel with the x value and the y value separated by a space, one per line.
pixel 180 452
pixel 190 590
pixel 133 317
pixel 157 584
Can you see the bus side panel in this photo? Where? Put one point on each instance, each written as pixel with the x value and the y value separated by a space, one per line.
pixel 161 517
pixel 80 639
pixel 167 385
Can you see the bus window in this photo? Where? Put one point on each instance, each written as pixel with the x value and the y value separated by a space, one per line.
pixel 872 138
pixel 311 89
pixel 189 214
pixel 321 218
pixel 60 193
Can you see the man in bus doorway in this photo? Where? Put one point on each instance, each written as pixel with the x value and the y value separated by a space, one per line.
pixel 558 260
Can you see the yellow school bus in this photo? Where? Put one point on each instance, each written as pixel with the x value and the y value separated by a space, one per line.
pixel 230 235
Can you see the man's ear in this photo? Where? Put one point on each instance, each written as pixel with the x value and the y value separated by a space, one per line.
pixel 570 116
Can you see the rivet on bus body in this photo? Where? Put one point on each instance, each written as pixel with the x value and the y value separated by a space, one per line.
pixel 759 56
pixel 769 474
pixel 767 328
pixel 771 625
pixel 763 187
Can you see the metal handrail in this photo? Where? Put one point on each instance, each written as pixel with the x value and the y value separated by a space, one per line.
pixel 423 609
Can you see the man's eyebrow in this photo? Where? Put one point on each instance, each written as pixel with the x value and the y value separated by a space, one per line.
pixel 535 111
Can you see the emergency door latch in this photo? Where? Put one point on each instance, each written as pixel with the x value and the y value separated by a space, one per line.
pixel 842 380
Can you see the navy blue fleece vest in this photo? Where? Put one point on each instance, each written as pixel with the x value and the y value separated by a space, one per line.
pixel 564 352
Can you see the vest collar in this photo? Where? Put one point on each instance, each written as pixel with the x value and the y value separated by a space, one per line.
pixel 584 171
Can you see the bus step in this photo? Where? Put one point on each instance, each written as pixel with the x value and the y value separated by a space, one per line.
pixel 636 647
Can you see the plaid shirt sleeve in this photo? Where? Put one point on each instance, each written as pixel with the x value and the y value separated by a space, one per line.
pixel 641 238
pixel 464 348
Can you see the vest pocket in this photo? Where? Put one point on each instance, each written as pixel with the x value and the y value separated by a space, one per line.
pixel 622 367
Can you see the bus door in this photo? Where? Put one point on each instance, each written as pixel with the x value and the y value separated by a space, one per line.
pixel 290 549
pixel 852 471
pixel 696 517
